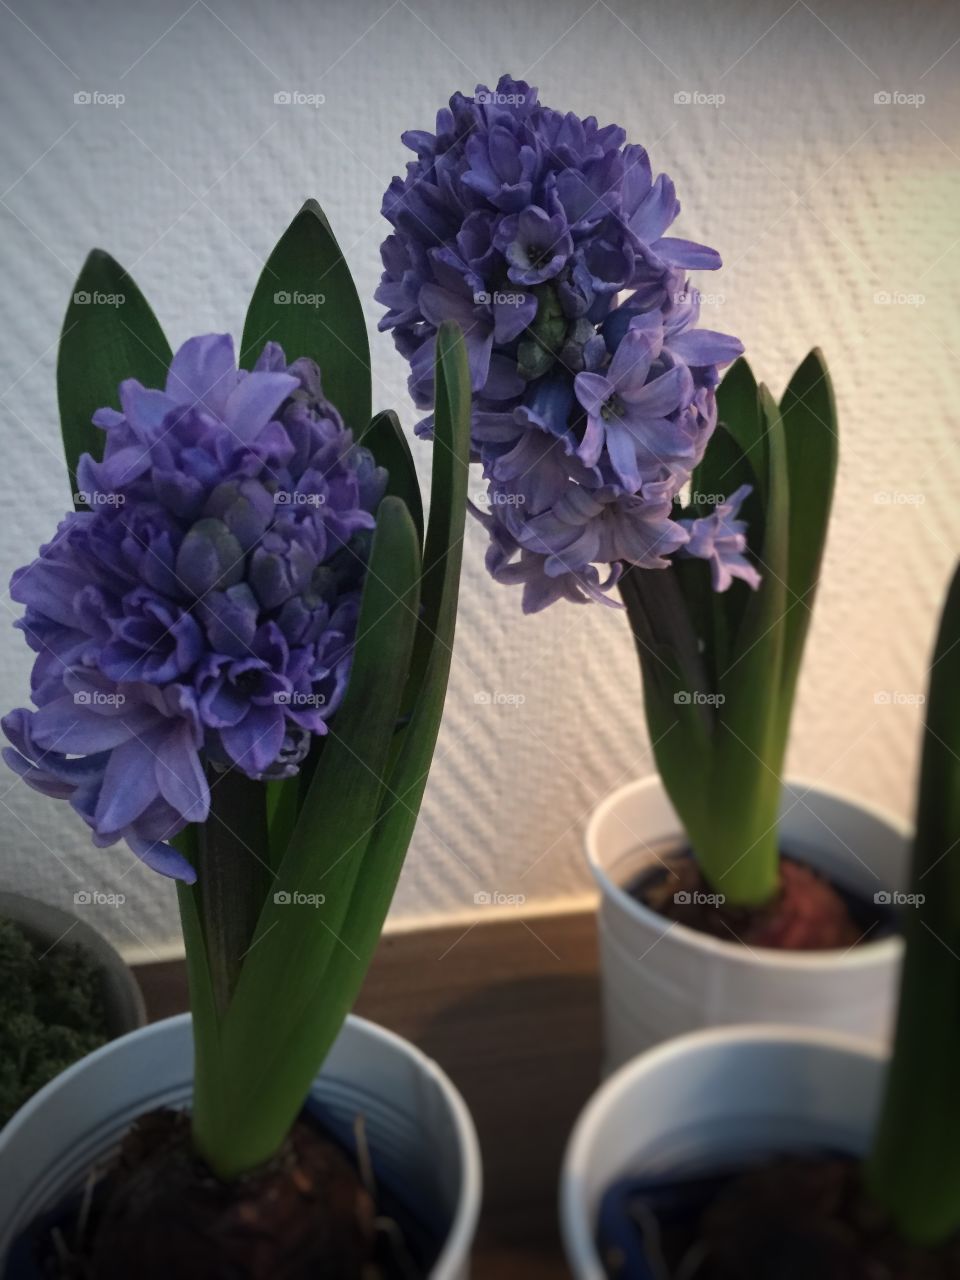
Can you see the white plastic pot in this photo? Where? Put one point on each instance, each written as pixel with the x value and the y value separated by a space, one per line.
pixel 712 1098
pixel 416 1122
pixel 661 979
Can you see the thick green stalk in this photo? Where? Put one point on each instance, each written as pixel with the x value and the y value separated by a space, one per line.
pixel 914 1167
pixel 233 876
pixel 726 797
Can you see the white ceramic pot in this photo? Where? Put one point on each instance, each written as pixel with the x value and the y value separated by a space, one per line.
pixel 416 1122
pixel 713 1098
pixel 661 979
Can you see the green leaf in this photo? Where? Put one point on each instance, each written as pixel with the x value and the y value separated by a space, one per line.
pixel 306 300
pixel 751 738
pixel 282 809
pixel 385 439
pixel 208 1063
pixel 914 1168
pixel 281 1021
pixel 718 616
pixel 809 416
pixel 416 742
pixel 109 334
pixel 738 408
pixel 680 722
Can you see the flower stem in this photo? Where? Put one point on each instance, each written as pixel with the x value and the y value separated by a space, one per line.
pixel 233 876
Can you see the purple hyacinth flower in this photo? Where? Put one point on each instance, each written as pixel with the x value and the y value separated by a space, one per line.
pixel 536 245
pixel 589 413
pixel 202 612
pixel 502 167
pixel 720 538
pixel 627 414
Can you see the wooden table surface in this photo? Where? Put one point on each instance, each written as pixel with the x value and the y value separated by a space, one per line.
pixel 510 1009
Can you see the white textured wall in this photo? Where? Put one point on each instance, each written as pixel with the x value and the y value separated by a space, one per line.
pixel 818 199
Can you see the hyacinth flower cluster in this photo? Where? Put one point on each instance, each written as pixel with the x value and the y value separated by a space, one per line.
pixel 611 447
pixel 203 609
pixel 243 637
pixel 544 237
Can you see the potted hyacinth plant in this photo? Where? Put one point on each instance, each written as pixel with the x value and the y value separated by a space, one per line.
pixel 621 470
pixel 243 640
pixel 758 1153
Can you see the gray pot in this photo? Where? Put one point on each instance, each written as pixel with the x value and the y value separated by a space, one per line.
pixel 46 925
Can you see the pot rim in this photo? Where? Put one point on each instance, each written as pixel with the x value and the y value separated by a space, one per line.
pixel 856 957
pixel 576 1228
pixel 126 1011
pixel 457 1245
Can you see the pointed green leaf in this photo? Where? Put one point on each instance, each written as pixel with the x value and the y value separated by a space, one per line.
pixel 738 408
pixel 809 419
pixel 275 1044
pixel 385 439
pixel 914 1168
pixel 415 744
pixel 306 300
pixel 751 739
pixel 109 334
